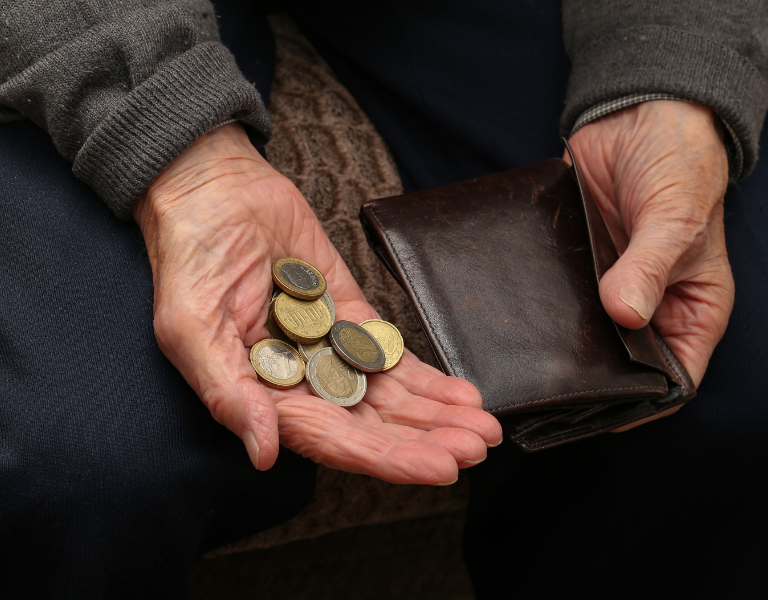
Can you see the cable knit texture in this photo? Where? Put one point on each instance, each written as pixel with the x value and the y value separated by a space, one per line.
pixel 122 87
pixel 707 51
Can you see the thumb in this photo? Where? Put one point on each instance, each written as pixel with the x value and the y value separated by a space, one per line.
pixel 237 401
pixel 632 289
pixel 219 370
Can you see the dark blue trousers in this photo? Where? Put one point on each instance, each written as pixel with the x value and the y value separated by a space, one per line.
pixel 674 509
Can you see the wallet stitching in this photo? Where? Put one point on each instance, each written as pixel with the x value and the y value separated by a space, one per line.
pixel 672 361
pixel 638 387
pixel 413 289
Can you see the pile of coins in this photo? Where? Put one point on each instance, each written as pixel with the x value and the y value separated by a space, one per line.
pixel 307 341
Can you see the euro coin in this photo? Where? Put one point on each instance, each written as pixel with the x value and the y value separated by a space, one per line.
pixel 358 347
pixel 307 350
pixel 304 321
pixel 389 339
pixel 277 363
pixel 335 380
pixel 298 278
pixel 326 297
pixel 274 330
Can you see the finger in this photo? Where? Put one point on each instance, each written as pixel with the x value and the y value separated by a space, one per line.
pixel 426 381
pixel 332 436
pixel 633 288
pixel 395 404
pixel 693 317
pixel 466 448
pixel 217 367
pixel 230 390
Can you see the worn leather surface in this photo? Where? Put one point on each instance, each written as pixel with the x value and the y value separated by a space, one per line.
pixel 503 272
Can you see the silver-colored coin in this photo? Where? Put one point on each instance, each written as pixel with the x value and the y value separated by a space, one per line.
pixel 276 293
pixel 334 380
pixel 358 347
pixel 307 350
pixel 328 301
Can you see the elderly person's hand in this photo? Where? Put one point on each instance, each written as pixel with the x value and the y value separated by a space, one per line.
pixel 214 221
pixel 658 172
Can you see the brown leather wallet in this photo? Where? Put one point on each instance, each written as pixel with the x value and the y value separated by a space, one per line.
pixel 503 271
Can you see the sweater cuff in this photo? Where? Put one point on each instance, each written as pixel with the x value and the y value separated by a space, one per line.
pixel 732 144
pixel 158 119
pixel 663 60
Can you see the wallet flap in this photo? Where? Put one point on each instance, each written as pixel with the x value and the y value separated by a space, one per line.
pixel 641 344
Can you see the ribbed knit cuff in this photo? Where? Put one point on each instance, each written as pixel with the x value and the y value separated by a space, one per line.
pixel 663 60
pixel 158 119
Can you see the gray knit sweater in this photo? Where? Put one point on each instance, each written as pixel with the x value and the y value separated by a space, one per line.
pixel 123 87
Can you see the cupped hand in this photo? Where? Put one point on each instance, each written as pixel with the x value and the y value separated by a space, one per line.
pixel 214 221
pixel 658 172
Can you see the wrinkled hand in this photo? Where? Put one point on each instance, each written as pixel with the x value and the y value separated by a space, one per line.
pixel 658 172
pixel 214 221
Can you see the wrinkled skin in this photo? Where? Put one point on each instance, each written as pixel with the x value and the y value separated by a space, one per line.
pixel 218 216
pixel 214 221
pixel 658 172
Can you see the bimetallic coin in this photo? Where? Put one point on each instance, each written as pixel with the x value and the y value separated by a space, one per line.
pixel 326 297
pixel 274 329
pixel 335 380
pixel 277 363
pixel 358 347
pixel 307 350
pixel 389 339
pixel 298 278
pixel 304 321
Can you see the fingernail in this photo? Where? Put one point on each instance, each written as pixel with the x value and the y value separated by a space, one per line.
pixel 251 446
pixel 497 443
pixel 470 463
pixel 450 482
pixel 634 298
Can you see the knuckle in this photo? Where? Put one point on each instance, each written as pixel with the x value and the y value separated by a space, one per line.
pixel 215 400
pixel 169 326
pixel 163 326
pixel 652 269
pixel 691 231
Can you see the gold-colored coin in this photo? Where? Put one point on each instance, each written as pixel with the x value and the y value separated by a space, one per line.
pixel 388 337
pixel 304 321
pixel 307 350
pixel 274 329
pixel 298 278
pixel 277 363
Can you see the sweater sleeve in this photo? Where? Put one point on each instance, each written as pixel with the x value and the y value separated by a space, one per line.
pixel 121 87
pixel 706 51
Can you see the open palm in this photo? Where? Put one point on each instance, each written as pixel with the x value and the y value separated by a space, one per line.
pixel 214 222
